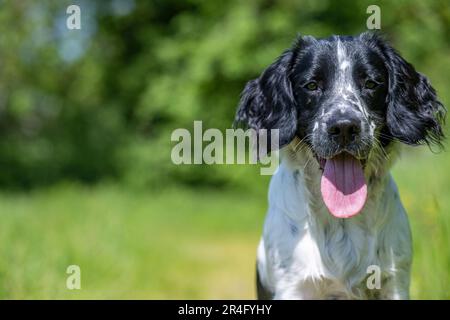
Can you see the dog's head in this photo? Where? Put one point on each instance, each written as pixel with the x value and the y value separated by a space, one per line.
pixel 343 97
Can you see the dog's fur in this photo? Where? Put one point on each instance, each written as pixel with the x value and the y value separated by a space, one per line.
pixel 305 252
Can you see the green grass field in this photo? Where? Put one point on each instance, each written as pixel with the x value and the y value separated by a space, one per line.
pixel 184 243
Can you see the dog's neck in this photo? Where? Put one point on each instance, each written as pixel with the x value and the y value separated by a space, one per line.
pixel 306 171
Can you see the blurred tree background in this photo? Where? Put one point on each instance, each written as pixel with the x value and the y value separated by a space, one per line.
pixel 99 104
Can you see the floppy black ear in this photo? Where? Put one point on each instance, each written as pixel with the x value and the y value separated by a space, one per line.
pixel 414 113
pixel 268 102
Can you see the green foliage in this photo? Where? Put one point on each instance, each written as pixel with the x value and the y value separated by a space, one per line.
pixel 101 102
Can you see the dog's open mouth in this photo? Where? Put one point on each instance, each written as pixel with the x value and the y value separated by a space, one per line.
pixel 343 186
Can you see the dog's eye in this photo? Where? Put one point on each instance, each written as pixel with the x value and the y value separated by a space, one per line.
pixel 370 84
pixel 311 86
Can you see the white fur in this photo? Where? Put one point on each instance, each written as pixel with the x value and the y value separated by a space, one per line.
pixel 306 253
pixel 316 126
pixel 344 85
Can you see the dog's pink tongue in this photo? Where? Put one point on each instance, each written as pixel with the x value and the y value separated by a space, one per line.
pixel 343 186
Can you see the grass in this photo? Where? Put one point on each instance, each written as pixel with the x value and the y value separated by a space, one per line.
pixel 424 182
pixel 184 243
pixel 179 244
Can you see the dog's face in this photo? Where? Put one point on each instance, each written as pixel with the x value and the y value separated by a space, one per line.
pixel 343 97
pixel 340 88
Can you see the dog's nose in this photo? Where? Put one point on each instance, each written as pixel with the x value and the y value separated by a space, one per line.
pixel 344 131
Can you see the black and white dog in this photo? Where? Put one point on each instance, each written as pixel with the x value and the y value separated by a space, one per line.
pixel 341 104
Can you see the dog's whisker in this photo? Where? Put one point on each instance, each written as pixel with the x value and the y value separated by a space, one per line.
pixel 383 135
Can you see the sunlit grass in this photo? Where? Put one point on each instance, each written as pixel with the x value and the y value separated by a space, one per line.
pixel 184 244
pixel 179 244
pixel 424 182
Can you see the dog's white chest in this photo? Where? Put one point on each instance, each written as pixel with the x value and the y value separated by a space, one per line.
pixel 307 254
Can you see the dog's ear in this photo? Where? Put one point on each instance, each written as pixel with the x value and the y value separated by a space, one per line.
pixel 414 113
pixel 268 102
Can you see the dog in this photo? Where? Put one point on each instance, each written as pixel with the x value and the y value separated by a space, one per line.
pixel 343 105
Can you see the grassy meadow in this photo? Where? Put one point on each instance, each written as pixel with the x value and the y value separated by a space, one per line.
pixel 184 243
